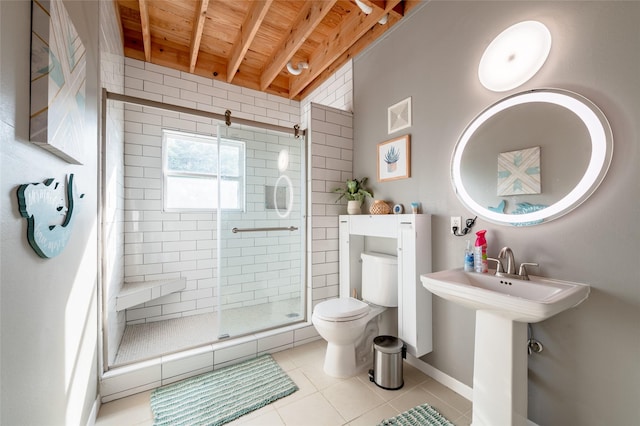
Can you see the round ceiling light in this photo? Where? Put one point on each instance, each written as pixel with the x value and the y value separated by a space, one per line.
pixel 514 56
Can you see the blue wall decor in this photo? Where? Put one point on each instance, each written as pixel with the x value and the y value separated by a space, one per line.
pixel 524 208
pixel 499 208
pixel 43 205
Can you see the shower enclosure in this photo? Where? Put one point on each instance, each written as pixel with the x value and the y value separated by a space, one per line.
pixel 203 229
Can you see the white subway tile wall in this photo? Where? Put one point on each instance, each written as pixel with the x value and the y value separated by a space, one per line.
pixel 335 92
pixel 327 115
pixel 330 159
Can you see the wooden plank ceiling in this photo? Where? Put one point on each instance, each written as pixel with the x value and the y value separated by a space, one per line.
pixel 250 43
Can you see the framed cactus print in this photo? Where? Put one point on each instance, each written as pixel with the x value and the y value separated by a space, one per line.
pixel 394 159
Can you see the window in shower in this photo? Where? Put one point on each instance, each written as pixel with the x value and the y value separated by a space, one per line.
pixel 190 172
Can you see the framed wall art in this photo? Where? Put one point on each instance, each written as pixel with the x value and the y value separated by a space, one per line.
pixel 399 116
pixel 58 80
pixel 394 159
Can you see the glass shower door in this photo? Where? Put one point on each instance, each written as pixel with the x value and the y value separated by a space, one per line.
pixel 261 230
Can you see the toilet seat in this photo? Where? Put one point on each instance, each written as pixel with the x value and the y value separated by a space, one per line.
pixel 342 309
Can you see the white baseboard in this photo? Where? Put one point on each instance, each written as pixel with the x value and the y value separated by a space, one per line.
pixel 453 384
pixel 448 381
pixel 93 416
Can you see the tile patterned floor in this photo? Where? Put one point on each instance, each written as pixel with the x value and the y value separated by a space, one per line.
pixel 321 400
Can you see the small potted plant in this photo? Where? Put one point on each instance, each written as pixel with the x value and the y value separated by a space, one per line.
pixel 355 192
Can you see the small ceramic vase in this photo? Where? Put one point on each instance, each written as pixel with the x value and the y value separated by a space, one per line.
pixel 354 206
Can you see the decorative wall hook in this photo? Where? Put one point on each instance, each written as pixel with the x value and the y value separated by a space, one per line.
pixel 42 204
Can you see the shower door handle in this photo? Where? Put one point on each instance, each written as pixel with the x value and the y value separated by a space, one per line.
pixel 282 228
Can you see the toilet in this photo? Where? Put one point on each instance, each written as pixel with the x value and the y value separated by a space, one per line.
pixel 349 325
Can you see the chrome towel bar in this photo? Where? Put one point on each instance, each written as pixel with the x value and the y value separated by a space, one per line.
pixel 282 228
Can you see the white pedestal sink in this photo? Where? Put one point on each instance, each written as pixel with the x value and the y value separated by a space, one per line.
pixel 503 307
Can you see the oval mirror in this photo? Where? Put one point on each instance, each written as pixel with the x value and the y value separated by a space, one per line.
pixel 532 157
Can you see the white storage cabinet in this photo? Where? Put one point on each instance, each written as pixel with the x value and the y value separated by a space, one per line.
pixel 409 237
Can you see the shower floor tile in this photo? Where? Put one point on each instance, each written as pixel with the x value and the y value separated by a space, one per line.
pixel 149 340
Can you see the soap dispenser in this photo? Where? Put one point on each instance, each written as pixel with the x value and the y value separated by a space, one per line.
pixel 468 258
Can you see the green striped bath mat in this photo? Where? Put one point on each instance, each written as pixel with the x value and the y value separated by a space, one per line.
pixel 221 396
pixel 424 415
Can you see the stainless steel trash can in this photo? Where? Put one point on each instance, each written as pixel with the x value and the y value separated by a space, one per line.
pixel 388 352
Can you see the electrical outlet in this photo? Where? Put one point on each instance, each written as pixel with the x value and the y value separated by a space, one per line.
pixel 457 222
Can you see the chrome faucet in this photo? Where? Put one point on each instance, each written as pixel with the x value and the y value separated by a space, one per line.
pixel 522 273
pixel 510 272
pixel 511 263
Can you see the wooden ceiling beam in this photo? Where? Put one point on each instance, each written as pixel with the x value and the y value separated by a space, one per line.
pixel 373 34
pixel 196 34
pixel 248 31
pixel 336 44
pixel 308 19
pixel 146 29
pixel 400 10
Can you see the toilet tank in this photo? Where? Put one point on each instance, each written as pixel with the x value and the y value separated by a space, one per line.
pixel 380 279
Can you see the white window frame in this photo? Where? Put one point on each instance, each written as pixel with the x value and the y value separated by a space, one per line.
pixel 213 140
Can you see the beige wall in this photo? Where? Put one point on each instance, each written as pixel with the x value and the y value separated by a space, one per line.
pixel 48 306
pixel 588 373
